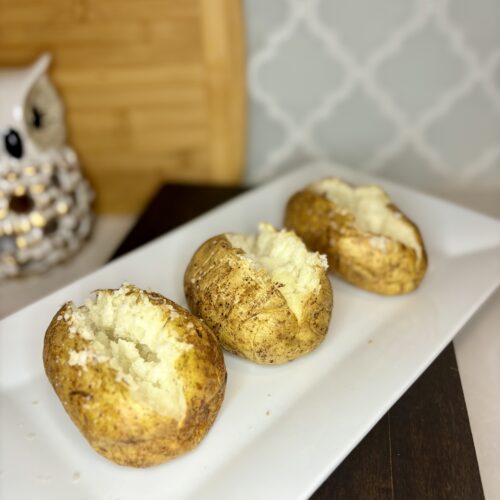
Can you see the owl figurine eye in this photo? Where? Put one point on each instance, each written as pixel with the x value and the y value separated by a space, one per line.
pixel 36 117
pixel 44 115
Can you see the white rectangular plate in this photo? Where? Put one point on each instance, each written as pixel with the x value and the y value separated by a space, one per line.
pixel 281 429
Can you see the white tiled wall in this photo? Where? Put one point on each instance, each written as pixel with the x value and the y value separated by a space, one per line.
pixel 408 89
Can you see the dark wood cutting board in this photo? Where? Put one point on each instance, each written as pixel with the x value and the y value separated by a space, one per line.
pixel 421 449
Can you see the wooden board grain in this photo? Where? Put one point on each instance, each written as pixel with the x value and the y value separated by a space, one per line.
pixel 154 90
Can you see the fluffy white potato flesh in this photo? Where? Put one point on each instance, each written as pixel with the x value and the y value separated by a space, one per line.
pixel 369 207
pixel 135 337
pixel 283 255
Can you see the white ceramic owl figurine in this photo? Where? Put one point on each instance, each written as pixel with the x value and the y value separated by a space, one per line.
pixel 45 202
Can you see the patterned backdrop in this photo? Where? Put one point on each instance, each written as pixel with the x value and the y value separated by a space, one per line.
pixel 406 89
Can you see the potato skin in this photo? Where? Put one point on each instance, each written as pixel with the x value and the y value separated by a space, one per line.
pixel 120 428
pixel 247 311
pixel 350 254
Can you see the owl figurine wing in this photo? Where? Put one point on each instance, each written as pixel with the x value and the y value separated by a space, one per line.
pixel 45 201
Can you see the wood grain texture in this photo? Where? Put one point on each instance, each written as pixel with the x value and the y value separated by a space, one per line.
pixel 421 449
pixel 154 90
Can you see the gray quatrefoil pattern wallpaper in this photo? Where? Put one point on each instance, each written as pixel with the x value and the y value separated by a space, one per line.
pixel 406 89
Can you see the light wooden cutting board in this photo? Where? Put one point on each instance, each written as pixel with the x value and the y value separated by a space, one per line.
pixel 154 89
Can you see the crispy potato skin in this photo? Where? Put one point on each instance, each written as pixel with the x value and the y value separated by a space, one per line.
pixel 350 255
pixel 247 311
pixel 120 428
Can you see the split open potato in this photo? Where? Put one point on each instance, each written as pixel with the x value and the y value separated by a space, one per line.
pixel 141 377
pixel 265 296
pixel 369 242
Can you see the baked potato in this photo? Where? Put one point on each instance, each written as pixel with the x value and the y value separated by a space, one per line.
pixel 369 242
pixel 141 377
pixel 265 296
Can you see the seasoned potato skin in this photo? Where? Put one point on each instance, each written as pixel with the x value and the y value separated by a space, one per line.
pixel 117 426
pixel 350 255
pixel 247 311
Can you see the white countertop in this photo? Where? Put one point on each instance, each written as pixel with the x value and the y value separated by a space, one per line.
pixel 477 345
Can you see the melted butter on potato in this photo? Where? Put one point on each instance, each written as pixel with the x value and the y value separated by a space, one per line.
pixel 127 331
pixel 285 257
pixel 369 205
